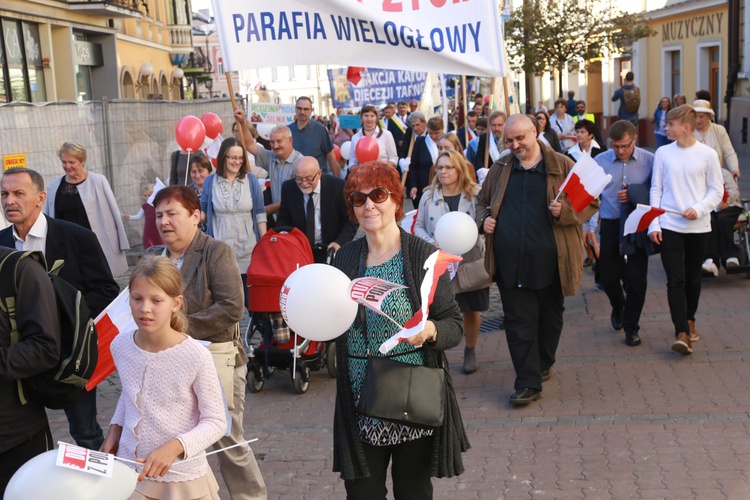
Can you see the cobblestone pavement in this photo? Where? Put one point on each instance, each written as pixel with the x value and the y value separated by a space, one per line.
pixel 613 422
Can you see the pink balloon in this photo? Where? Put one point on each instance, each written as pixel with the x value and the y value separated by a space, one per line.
pixel 367 149
pixel 337 152
pixel 190 133
pixel 213 125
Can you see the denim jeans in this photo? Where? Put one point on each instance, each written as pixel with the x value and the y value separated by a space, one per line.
pixel 82 422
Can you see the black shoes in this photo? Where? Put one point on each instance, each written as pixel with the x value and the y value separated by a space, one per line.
pixel 632 339
pixel 525 396
pixel 546 375
pixel 616 318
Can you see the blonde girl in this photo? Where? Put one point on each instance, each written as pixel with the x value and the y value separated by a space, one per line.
pixel 170 408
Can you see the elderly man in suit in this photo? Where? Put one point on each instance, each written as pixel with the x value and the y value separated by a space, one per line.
pixel 85 268
pixel 315 204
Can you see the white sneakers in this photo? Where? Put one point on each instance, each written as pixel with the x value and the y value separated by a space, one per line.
pixel 710 267
pixel 732 262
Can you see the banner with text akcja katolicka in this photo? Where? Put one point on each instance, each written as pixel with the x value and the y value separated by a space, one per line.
pixel 441 36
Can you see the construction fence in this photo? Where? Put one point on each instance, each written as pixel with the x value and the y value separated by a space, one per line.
pixel 129 141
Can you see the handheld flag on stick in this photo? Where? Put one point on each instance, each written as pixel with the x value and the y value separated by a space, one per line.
pixel 115 318
pixel 640 218
pixel 584 183
pixel 436 264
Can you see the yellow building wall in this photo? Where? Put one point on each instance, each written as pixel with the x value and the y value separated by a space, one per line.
pixel 132 56
pixel 687 32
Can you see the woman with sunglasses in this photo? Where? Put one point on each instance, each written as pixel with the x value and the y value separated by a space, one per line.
pixel 232 205
pixel 364 446
pixel 453 190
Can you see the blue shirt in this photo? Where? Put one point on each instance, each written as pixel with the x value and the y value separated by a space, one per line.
pixel 637 170
pixel 313 140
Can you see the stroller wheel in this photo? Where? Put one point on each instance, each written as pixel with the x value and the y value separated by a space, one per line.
pixel 254 383
pixel 331 359
pixel 302 380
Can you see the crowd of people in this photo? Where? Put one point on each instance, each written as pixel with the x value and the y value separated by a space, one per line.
pixel 200 232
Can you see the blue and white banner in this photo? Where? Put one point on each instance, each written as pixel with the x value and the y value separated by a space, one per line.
pixel 377 86
pixel 442 36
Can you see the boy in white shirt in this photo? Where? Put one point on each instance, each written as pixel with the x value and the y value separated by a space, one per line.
pixel 687 180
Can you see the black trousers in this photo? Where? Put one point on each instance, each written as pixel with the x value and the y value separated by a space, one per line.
pixel 410 470
pixel 12 459
pixel 721 242
pixel 624 281
pixel 682 257
pixel 533 323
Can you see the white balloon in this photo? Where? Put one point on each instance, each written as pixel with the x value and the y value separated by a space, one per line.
pixel 315 303
pixel 456 233
pixel 346 149
pixel 264 129
pixel 41 478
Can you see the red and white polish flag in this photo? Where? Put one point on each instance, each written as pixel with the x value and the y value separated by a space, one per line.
pixel 115 318
pixel 436 264
pixel 585 182
pixel 640 218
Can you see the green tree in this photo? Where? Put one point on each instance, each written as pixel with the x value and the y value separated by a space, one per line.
pixel 545 34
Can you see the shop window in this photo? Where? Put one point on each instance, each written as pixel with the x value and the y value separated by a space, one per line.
pixel 3 89
pixel 14 61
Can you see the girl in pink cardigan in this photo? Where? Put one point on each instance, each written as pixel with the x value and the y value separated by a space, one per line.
pixel 170 407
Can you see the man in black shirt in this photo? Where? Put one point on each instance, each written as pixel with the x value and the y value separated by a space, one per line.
pixel 534 250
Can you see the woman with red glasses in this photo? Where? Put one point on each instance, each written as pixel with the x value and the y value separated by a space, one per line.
pixel 363 445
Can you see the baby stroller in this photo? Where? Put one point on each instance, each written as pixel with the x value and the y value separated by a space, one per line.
pixel 277 255
pixel 742 240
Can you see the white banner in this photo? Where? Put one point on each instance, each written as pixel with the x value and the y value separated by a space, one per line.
pixel 442 36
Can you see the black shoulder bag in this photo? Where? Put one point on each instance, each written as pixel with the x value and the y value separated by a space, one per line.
pixel 401 392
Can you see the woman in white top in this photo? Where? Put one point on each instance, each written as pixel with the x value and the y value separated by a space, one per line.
pixel 371 127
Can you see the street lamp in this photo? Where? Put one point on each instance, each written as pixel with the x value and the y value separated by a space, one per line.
pixel 177 76
pixel 144 77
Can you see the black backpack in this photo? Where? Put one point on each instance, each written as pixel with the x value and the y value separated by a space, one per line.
pixel 62 384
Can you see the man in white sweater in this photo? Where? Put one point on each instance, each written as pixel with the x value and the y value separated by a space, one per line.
pixel 687 182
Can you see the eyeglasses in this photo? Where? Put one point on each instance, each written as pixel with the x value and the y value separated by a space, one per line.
pixel 377 195
pixel 235 158
pixel 309 179
pixel 303 109
pixel 618 147
pixel 445 167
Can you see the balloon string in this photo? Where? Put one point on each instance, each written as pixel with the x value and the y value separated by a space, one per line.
pixel 187 168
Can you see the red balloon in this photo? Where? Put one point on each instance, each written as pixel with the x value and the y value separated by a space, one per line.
pixel 190 133
pixel 367 149
pixel 337 152
pixel 486 99
pixel 213 125
pixel 215 162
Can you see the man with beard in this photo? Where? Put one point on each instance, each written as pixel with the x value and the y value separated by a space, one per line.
pixel 534 250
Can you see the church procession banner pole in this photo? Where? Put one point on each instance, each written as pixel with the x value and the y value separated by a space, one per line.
pixel 489 130
pixel 228 76
pixel 466 111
